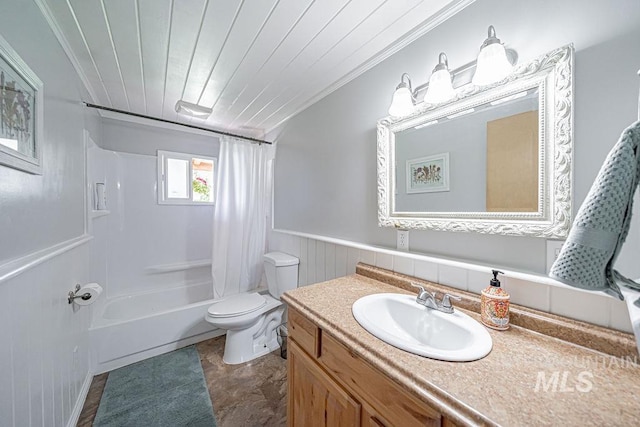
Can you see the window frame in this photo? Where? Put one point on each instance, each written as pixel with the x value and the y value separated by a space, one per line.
pixel 162 159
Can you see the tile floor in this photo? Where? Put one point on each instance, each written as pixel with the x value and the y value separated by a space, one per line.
pixel 249 394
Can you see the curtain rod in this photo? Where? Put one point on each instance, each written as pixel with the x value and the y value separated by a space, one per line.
pixel 217 132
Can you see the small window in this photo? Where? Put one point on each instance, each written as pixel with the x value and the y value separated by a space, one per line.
pixel 185 179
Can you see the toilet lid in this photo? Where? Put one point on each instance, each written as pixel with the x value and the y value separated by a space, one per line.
pixel 237 305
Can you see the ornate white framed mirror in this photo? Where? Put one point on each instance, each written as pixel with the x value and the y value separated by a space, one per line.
pixel 495 159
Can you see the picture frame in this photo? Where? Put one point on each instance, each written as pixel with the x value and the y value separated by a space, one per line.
pixel 21 113
pixel 428 174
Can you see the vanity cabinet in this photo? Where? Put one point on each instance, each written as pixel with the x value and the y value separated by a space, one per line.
pixel 315 399
pixel 329 385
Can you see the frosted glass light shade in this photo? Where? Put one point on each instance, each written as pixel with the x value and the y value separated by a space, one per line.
pixel 402 102
pixel 440 88
pixel 492 65
pixel 193 110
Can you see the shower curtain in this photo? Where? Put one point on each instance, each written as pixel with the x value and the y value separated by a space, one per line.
pixel 240 215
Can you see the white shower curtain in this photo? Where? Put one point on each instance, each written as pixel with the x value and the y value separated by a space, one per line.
pixel 240 215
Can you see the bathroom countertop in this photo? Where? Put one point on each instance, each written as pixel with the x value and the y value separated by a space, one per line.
pixel 505 387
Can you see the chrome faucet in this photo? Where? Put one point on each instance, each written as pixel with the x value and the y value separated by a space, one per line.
pixel 429 300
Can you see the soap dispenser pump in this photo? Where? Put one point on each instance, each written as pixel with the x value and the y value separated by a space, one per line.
pixel 494 305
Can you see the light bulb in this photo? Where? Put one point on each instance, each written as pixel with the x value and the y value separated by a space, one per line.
pixel 492 64
pixel 440 88
pixel 402 102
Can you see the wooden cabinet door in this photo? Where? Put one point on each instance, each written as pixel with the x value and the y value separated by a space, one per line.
pixel 371 386
pixel 370 418
pixel 314 398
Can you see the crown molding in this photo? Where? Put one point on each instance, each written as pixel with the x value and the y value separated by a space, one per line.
pixel 53 24
pixel 422 29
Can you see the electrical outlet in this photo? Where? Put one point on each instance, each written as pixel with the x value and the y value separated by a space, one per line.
pixel 553 250
pixel 402 242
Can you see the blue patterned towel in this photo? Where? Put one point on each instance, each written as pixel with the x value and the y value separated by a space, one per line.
pixel 602 223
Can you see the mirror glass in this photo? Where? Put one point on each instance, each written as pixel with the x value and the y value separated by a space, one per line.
pixel 491 154
pixel 495 159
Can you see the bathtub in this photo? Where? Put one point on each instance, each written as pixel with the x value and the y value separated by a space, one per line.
pixel 132 328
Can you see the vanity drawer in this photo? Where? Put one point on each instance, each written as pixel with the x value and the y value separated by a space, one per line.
pixel 304 332
pixel 372 386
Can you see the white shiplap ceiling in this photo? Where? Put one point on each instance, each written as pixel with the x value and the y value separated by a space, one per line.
pixel 255 62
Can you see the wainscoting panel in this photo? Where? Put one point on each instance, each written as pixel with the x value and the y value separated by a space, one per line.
pixel 304 261
pixel 324 258
pixel 44 355
pixel 321 266
pixel 311 262
pixel 330 260
pixel 319 261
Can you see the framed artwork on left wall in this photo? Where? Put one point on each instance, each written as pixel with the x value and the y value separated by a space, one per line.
pixel 21 98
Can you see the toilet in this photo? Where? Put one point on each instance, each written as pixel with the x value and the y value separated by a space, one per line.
pixel 251 319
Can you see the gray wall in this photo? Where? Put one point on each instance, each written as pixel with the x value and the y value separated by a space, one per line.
pixel 39 211
pixel 137 138
pixel 44 343
pixel 325 177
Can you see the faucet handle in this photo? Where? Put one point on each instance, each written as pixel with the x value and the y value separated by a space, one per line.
pixel 423 294
pixel 446 300
pixel 415 285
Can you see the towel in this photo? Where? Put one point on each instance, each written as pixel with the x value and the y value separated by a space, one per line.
pixel 602 223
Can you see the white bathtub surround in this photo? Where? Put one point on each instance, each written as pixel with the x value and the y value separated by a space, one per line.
pixel 242 205
pixel 142 246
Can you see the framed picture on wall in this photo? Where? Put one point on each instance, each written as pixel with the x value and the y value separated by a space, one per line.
pixel 428 174
pixel 21 95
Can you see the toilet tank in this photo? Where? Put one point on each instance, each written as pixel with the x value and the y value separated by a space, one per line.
pixel 282 272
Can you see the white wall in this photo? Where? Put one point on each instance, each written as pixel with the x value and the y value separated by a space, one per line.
pixel 139 235
pixel 44 354
pixel 325 177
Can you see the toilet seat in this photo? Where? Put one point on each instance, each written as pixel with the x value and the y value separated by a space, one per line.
pixel 237 305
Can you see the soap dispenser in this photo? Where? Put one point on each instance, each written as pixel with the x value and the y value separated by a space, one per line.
pixel 494 305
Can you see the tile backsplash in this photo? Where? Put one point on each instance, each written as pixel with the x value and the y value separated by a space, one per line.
pixel 325 259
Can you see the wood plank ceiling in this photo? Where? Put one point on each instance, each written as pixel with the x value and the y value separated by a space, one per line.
pixel 255 62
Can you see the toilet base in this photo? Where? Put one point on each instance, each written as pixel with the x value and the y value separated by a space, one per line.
pixel 257 340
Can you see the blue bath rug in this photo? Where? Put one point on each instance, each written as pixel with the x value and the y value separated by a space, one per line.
pixel 166 390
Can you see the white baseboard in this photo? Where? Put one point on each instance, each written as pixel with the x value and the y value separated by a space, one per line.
pixel 82 396
pixel 166 348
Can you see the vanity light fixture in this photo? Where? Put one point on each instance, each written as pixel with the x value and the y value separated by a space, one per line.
pixel 403 100
pixel 492 64
pixel 440 88
pixel 192 110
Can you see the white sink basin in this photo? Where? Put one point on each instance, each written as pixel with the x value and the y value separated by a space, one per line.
pixel 400 321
